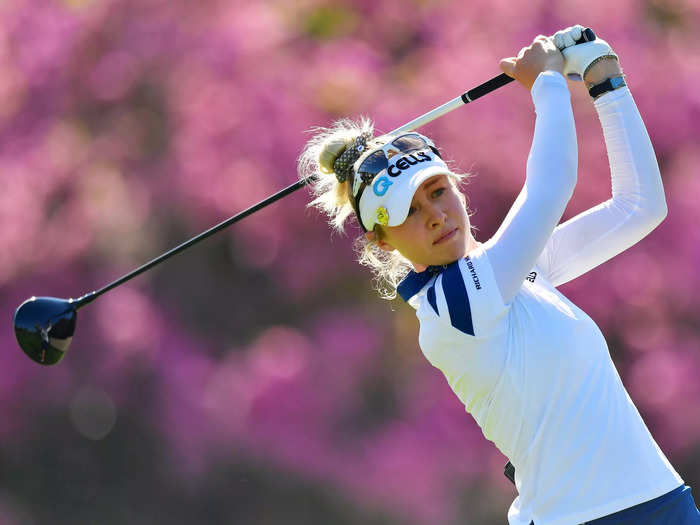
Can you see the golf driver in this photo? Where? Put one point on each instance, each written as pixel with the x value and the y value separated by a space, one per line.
pixel 44 326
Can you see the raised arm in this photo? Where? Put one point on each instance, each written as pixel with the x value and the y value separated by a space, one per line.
pixel 550 173
pixel 638 202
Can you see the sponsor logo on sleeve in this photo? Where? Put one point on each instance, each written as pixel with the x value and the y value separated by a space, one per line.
pixel 531 277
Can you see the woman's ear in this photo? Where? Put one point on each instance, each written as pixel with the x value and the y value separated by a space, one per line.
pixel 385 246
pixel 371 236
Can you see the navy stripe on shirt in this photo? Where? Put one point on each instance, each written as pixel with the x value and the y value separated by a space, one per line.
pixel 431 298
pixel 457 299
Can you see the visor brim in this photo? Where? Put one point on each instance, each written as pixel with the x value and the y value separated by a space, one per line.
pixel 399 204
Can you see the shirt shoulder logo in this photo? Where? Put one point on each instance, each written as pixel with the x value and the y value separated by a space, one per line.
pixel 472 272
pixel 531 277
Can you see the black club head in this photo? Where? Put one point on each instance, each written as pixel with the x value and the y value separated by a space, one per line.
pixel 44 327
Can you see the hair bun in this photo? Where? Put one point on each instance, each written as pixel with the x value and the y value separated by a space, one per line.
pixel 330 152
pixel 343 164
pixel 339 155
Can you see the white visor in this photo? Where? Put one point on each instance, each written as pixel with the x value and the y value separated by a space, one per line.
pixel 387 200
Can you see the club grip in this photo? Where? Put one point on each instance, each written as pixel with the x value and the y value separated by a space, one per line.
pixel 587 35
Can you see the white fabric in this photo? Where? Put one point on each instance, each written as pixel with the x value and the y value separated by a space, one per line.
pixel 531 367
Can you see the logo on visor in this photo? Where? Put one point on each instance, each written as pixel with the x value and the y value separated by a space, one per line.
pixel 405 162
pixel 381 186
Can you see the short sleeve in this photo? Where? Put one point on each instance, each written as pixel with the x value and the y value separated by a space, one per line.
pixel 466 295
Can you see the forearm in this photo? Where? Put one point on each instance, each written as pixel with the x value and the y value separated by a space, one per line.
pixel 550 182
pixel 636 180
pixel 637 205
pixel 553 158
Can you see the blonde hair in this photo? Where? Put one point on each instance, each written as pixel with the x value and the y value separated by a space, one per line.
pixel 332 198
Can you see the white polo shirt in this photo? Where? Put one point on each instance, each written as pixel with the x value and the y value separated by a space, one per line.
pixel 530 366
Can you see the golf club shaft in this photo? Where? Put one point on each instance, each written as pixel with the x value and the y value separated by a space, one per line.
pixel 478 91
pixel 91 296
pixel 474 93
pixel 466 97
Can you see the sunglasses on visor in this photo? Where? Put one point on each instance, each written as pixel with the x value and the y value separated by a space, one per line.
pixel 377 161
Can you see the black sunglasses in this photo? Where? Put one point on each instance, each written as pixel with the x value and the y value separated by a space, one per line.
pixel 377 161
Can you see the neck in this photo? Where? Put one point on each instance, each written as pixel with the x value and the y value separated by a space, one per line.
pixel 471 244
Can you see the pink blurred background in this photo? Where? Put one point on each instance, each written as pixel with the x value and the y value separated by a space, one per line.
pixel 257 378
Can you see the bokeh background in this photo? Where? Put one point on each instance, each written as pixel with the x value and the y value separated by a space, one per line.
pixel 257 378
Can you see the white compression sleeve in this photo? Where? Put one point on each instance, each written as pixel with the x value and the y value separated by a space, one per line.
pixel 637 205
pixel 549 184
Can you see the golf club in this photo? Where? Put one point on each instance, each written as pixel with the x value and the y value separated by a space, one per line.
pixel 44 326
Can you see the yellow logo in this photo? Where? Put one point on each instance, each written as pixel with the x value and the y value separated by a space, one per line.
pixel 382 216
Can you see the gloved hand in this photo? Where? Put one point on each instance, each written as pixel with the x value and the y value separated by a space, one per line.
pixel 577 58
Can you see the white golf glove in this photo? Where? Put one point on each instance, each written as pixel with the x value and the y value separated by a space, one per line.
pixel 577 57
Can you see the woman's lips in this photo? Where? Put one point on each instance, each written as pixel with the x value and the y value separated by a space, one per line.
pixel 446 236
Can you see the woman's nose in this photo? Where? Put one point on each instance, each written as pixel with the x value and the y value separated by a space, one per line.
pixel 436 216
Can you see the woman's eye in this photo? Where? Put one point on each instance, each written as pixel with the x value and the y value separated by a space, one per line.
pixel 435 194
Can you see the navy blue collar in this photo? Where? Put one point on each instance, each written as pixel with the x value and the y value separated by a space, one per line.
pixel 415 281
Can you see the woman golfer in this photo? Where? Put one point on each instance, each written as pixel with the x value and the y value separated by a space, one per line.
pixel 529 365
